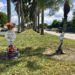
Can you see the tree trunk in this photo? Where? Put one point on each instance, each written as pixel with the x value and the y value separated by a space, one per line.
pixel 42 19
pixel 19 17
pixel 34 21
pixel 35 15
pixel 38 21
pixel 8 10
pixel 22 17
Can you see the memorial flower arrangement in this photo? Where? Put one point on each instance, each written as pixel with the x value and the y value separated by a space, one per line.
pixel 10 49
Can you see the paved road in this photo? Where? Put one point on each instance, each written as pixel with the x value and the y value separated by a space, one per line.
pixel 67 35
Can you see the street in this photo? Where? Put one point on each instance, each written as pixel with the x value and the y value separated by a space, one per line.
pixel 67 35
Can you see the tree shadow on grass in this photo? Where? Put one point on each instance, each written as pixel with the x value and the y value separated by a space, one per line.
pixel 26 52
pixel 29 51
pixel 7 64
pixel 2 55
pixel 33 65
pixel 39 52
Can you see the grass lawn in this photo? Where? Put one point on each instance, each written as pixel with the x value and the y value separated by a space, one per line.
pixel 35 59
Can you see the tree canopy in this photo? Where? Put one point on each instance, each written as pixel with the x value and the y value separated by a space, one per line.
pixel 3 19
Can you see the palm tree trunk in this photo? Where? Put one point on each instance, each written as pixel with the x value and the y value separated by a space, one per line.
pixel 9 10
pixel 42 27
pixel 22 17
pixel 19 17
pixel 38 21
pixel 35 21
pixel 35 15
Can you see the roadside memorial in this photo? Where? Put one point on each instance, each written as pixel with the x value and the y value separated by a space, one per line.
pixel 12 52
pixel 61 37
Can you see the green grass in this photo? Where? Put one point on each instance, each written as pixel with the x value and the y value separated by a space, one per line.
pixel 32 61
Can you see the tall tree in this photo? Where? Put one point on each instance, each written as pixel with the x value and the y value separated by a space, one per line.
pixel 19 25
pixel 33 13
pixel 42 6
pixel 8 10
pixel 38 20
pixel 73 21
pixel 22 8
pixel 17 8
pixel 22 16
pixel 3 19
pixel 47 4
pixel 30 9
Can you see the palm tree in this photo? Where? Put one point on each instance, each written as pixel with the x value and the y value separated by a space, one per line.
pixel 38 20
pixel 8 10
pixel 19 27
pixel 34 16
pixel 43 4
pixel 20 12
pixel 22 16
pixel 42 21
pixel 29 7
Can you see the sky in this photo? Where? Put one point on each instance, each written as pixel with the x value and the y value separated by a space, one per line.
pixel 48 19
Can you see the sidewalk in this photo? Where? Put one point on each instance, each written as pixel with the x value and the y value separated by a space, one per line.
pixel 67 35
pixel 2 33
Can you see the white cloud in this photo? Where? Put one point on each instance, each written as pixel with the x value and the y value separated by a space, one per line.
pixel 3 8
pixel 46 12
pixel 70 15
pixel 14 19
pixel 59 13
pixel 74 5
pixel 2 5
pixel 48 19
pixel 57 16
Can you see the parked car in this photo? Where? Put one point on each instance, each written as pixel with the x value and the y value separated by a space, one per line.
pixel 4 30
